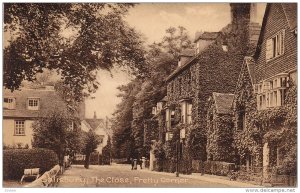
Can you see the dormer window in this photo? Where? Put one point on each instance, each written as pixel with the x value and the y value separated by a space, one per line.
pixel 33 103
pixel 275 46
pixel 9 103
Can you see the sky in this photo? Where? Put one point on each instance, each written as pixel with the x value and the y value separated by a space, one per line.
pixel 151 20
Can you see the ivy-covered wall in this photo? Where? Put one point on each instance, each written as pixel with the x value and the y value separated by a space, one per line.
pixel 247 141
pixel 275 126
pixel 219 135
pixel 212 71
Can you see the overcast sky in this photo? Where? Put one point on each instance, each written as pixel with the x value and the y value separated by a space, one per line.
pixel 152 19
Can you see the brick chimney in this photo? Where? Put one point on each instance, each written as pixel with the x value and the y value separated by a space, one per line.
pixel 244 21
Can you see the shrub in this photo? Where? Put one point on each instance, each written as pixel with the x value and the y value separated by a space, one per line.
pixel 16 160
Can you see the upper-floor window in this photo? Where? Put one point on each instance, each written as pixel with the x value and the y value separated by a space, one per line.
pixel 154 110
pixel 275 45
pixel 71 126
pixel 170 115
pixel 241 123
pixel 9 103
pixel 271 92
pixel 33 103
pixel 19 127
pixel 186 112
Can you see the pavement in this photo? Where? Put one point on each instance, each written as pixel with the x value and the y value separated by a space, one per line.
pixel 213 179
pixel 122 176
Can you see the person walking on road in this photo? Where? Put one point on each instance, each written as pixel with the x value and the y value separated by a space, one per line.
pixel 141 163
pixel 132 163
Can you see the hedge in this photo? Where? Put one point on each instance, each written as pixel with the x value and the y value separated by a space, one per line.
pixel 16 160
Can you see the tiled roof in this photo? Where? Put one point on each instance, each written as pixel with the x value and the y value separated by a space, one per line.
pixel 207 36
pixel 94 123
pixel 223 102
pixel 290 10
pixel 249 61
pixel 47 99
pixel 187 52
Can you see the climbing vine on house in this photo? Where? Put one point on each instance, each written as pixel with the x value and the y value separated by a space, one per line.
pixel 276 126
pixel 247 140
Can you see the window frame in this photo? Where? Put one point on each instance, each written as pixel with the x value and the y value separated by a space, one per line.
pixel 33 106
pixel 275 44
pixel 272 96
pixel 241 123
pixel 10 105
pixel 18 125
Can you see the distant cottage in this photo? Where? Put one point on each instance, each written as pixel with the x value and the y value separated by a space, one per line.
pixel 21 108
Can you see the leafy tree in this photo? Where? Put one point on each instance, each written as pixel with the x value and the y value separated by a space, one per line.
pixel 176 40
pixel 134 111
pixel 91 142
pixel 161 60
pixel 99 39
pixel 107 151
pixel 52 130
pixel 122 139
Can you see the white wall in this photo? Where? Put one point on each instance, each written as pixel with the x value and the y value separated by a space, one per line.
pixel 8 133
pixel 101 131
pixel 84 127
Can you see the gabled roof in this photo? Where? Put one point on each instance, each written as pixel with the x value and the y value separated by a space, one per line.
pixel 290 12
pixel 223 102
pixel 207 36
pixel 95 123
pixel 249 62
pixel 47 99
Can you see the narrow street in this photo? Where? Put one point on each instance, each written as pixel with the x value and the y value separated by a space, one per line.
pixel 123 176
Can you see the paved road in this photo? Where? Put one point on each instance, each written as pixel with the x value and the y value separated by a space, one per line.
pixel 123 176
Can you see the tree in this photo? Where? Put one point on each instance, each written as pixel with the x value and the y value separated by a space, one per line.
pixel 52 130
pixel 107 152
pixel 143 93
pixel 100 39
pixel 122 139
pixel 91 142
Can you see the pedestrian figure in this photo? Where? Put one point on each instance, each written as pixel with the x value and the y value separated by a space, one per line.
pixel 141 163
pixel 132 163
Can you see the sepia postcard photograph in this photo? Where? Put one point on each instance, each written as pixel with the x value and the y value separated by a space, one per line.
pixel 149 95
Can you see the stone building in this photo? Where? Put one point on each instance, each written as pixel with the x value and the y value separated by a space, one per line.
pixel 214 67
pixel 220 128
pixel 263 101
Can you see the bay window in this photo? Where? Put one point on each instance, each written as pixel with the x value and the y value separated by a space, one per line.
pixel 273 92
